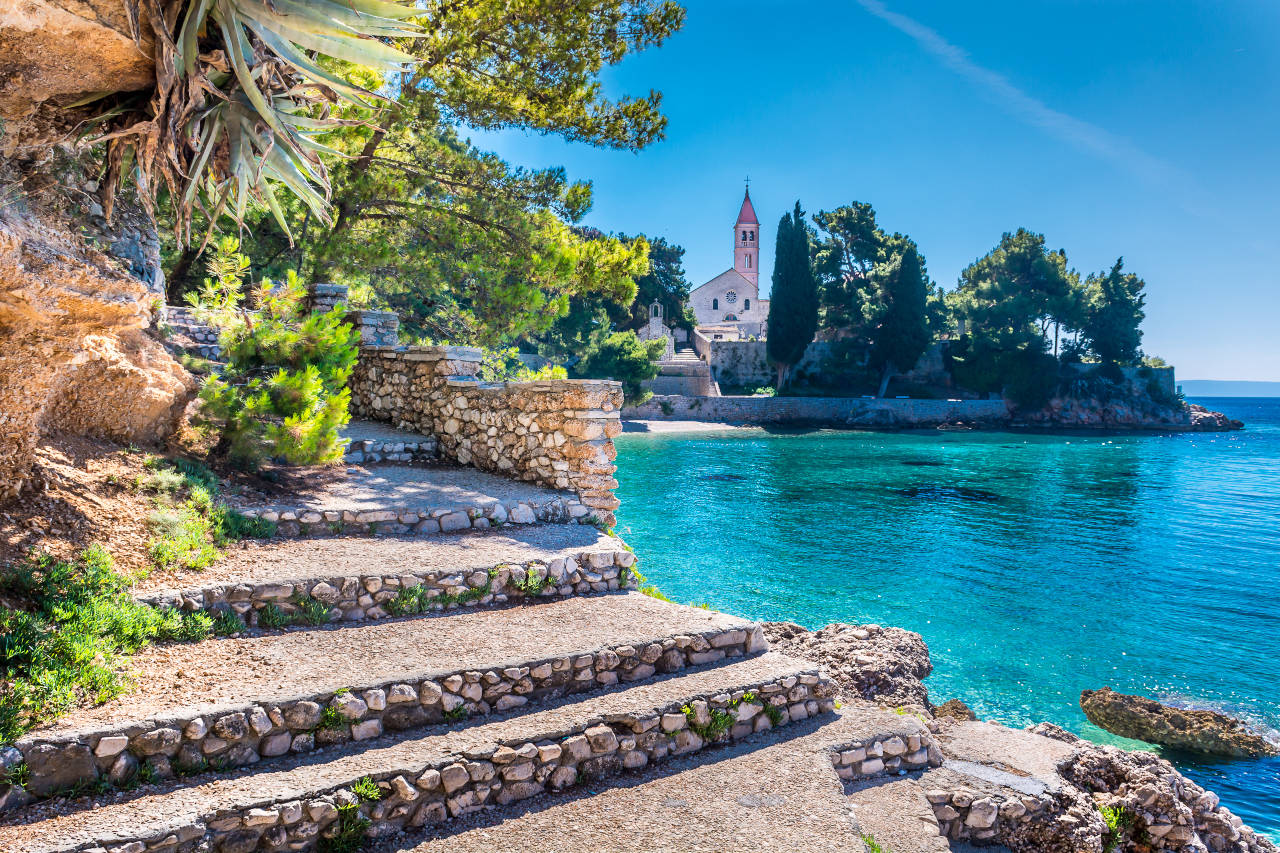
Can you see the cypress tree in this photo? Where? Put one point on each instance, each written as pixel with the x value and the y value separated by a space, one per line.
pixel 903 335
pixel 793 298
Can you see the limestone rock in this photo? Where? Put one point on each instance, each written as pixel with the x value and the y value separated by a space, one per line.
pixel 1197 731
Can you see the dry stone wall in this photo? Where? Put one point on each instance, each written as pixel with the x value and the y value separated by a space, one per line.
pixel 887 754
pixel 308 521
pixel 355 598
pixel 556 433
pixel 238 737
pixel 466 782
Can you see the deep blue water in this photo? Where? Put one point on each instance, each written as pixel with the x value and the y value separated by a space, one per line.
pixel 1035 566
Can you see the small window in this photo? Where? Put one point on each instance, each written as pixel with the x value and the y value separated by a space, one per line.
pixel 748 262
pixel 744 236
pixel 715 304
pixel 746 305
pixel 753 236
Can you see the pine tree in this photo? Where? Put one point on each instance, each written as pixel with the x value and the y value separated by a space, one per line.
pixel 903 335
pixel 793 298
pixel 283 392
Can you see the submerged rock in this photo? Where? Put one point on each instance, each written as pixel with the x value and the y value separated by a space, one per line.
pixel 959 493
pixel 1197 731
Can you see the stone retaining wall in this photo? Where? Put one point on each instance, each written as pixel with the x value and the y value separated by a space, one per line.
pixel 359 597
pixel 883 754
pixel 368 450
pixel 467 782
pixel 985 818
pixel 556 433
pixel 238 737
pixel 306 521
pixel 848 412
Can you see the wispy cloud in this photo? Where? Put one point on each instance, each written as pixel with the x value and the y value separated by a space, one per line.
pixel 1067 128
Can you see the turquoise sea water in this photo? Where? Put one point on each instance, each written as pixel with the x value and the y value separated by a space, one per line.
pixel 1035 566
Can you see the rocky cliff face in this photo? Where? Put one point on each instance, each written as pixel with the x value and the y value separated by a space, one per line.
pixel 76 292
pixel 75 355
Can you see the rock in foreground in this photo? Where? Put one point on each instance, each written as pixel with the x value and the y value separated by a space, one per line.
pixel 1204 420
pixel 1197 731
pixel 888 665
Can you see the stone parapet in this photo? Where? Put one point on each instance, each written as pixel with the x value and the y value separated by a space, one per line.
pixel 376 328
pixel 557 433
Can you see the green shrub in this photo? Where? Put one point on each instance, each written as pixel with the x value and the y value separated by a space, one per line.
pixel 311 611
pixel 189 524
pixel 367 790
pixel 283 391
pixel 349 833
pixel 272 616
pixel 1120 824
pixel 228 622
pixel 504 365
pixel 66 645
pixel 626 358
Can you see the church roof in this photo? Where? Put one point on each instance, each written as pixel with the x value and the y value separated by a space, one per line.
pixel 747 214
pixel 730 278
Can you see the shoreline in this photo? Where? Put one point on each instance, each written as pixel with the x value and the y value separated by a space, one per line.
pixel 686 426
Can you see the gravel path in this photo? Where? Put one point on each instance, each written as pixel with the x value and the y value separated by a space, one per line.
pixel 302 559
pixel 407 486
pixel 775 791
pixel 202 677
pixel 153 811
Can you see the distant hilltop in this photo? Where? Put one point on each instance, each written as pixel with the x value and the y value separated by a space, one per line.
pixel 1229 388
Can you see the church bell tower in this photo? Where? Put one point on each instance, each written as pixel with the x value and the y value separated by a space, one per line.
pixel 746 242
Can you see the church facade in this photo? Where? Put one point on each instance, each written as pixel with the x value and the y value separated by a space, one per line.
pixel 729 306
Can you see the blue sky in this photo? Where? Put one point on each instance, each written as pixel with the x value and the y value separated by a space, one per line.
pixel 1115 127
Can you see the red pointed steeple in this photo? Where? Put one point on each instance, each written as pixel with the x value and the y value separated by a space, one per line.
pixel 747 214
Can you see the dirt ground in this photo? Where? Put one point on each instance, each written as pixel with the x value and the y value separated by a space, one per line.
pixel 83 494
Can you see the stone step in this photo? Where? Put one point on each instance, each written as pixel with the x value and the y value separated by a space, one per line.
pixel 893 810
pixel 359 578
pixel 772 791
pixel 403 499
pixel 233 702
pixel 427 778
pixel 371 442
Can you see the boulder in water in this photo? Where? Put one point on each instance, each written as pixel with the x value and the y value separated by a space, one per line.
pixel 1196 731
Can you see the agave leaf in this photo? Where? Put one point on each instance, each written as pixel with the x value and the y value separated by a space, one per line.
pixel 299 60
pixel 331 15
pixel 189 50
pixel 383 9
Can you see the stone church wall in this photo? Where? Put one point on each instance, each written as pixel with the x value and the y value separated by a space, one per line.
pixel 556 433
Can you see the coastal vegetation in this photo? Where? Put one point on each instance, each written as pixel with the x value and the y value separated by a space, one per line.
pixel 793 309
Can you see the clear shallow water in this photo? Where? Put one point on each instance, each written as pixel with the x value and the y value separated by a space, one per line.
pixel 1034 566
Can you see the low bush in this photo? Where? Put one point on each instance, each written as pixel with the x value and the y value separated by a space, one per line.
pixel 65 646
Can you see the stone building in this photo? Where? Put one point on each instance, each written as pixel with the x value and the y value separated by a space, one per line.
pixel 730 303
pixel 656 330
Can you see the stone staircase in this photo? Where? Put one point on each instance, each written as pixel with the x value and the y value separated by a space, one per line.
pixel 498 685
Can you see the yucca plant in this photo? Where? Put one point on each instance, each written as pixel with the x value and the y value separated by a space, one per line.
pixel 241 94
